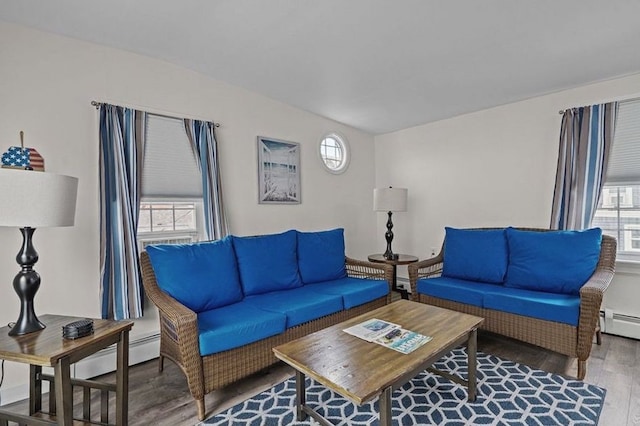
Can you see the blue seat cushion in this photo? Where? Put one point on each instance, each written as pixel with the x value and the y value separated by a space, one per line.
pixel 354 291
pixel 236 325
pixel 267 262
pixel 299 305
pixel 475 254
pixel 564 308
pixel 321 255
pixel 553 261
pixel 456 290
pixel 201 276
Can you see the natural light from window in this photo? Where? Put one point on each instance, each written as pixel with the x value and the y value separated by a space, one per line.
pixel 618 215
pixel 166 222
pixel 618 212
pixel 334 153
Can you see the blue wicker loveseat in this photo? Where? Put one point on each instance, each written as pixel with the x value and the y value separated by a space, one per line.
pixel 536 285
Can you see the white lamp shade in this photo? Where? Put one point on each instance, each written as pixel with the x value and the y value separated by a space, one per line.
pixel 390 199
pixel 36 199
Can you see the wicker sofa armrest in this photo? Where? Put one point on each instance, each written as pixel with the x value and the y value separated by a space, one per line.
pixel 593 290
pixel 590 301
pixel 591 298
pixel 371 270
pixel 178 324
pixel 423 269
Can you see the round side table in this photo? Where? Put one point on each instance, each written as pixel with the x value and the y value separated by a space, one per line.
pixel 403 259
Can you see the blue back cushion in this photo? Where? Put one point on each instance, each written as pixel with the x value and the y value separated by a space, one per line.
pixel 267 262
pixel 554 261
pixel 475 254
pixel 321 255
pixel 201 276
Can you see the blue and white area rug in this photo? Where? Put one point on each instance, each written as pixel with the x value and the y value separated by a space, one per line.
pixel 508 394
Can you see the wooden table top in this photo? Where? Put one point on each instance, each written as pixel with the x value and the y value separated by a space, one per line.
pixel 46 347
pixel 403 259
pixel 361 370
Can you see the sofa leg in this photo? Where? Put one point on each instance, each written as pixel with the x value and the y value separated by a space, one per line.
pixel 201 413
pixel 582 369
pixel 598 337
pixel 160 364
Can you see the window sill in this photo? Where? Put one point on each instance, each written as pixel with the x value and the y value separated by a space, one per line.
pixel 628 266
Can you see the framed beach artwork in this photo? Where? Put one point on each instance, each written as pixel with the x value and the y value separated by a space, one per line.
pixel 278 171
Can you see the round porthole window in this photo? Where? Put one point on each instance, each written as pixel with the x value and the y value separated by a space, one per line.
pixel 334 153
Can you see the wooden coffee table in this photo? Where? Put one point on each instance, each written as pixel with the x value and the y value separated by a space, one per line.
pixel 361 371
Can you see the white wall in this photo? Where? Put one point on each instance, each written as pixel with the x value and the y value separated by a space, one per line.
pixel 46 85
pixel 495 167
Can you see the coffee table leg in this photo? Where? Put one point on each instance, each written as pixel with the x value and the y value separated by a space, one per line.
pixel 300 396
pixel 384 401
pixel 472 347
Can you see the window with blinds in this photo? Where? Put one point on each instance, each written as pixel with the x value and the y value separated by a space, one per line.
pixel 170 210
pixel 170 169
pixel 618 212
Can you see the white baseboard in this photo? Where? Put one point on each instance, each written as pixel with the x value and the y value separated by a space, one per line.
pixel 141 349
pixel 620 324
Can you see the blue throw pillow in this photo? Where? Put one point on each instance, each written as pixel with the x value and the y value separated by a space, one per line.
pixel 475 254
pixel 201 276
pixel 267 262
pixel 321 255
pixel 554 261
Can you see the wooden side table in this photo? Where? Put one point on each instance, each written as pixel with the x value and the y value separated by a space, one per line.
pixel 47 348
pixel 403 259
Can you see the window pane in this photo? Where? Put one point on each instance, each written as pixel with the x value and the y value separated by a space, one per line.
pixel 185 219
pixel 162 220
pixel 144 220
pixel 333 153
pixel 618 215
pixel 167 217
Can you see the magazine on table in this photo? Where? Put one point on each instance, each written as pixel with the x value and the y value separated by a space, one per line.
pixel 388 334
pixel 402 340
pixel 371 329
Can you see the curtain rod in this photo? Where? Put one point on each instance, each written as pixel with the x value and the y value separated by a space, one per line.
pixel 97 105
pixel 621 100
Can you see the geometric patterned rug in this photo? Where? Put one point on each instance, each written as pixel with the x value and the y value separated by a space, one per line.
pixel 508 393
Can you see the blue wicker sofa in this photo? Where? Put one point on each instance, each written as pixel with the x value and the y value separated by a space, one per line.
pixel 540 286
pixel 225 304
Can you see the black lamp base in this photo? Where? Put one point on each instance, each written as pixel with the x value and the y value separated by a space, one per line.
pixel 388 254
pixel 26 324
pixel 26 284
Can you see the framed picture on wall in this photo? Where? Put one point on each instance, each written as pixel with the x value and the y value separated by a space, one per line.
pixel 278 171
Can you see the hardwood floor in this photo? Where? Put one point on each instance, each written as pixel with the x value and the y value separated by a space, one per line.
pixel 163 399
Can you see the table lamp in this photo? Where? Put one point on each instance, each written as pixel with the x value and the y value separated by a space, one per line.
pixel 390 200
pixel 33 199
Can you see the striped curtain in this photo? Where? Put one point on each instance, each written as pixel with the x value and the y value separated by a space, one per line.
pixel 122 136
pixel 204 145
pixel 586 137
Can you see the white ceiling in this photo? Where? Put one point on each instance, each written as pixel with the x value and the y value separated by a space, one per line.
pixel 377 65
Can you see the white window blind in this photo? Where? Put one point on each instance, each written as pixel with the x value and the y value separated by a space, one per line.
pixel 170 169
pixel 624 159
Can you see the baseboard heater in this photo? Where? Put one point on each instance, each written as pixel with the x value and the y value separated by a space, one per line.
pixel 404 283
pixel 140 350
pixel 612 322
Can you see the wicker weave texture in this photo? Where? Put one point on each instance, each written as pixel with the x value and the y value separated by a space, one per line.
pixel 179 334
pixel 562 338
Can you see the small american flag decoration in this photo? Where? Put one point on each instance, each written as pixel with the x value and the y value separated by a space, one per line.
pixel 19 157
